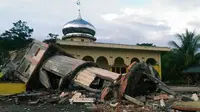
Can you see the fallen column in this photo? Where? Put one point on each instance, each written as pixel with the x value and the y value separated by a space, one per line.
pixel 186 106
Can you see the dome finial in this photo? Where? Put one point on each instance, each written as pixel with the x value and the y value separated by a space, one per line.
pixel 79 14
pixel 79 10
pixel 79 28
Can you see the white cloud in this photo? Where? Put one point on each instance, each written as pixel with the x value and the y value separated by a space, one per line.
pixel 110 17
pixel 160 19
pixel 156 22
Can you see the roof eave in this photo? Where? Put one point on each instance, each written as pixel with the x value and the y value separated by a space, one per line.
pixel 114 46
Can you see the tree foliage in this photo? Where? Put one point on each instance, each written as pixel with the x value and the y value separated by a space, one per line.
pixel 52 38
pixel 146 44
pixel 3 53
pixel 181 56
pixel 15 38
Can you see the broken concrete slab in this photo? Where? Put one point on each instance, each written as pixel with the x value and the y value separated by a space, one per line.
pixel 53 100
pixel 133 100
pixel 195 97
pixel 76 95
pixel 83 100
pixel 186 106
pixel 140 81
pixel 186 98
pixel 33 103
pixel 63 100
pixel 79 98
pixel 185 88
pixel 162 96
pixel 64 94
pixel 162 103
pixel 28 96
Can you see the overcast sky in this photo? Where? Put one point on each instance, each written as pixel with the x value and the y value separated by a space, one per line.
pixel 116 21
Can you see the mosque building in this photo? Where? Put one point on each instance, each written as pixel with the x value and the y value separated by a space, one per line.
pixel 80 41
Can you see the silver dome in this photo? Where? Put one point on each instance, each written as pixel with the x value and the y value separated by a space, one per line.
pixel 79 28
pixel 79 23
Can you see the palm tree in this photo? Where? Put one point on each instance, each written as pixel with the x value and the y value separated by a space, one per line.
pixel 182 55
pixel 188 48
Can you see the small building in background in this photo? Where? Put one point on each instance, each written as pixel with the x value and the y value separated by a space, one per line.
pixel 193 74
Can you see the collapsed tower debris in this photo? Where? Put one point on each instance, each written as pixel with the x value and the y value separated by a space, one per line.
pixel 48 66
pixel 71 70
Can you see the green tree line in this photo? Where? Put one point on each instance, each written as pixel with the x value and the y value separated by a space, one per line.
pixel 18 37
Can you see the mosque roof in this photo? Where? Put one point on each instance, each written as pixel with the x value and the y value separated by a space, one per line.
pixel 112 45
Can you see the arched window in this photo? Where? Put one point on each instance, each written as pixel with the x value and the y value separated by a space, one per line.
pixel 151 61
pixel 102 62
pixel 135 59
pixel 88 58
pixel 119 65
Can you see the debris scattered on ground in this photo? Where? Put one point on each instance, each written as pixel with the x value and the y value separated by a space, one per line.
pixel 53 77
pixel 133 100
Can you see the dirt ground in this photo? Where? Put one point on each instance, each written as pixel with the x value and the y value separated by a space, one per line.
pixel 11 107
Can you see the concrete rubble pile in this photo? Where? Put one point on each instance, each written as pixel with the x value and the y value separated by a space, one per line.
pixel 55 77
